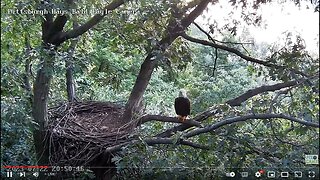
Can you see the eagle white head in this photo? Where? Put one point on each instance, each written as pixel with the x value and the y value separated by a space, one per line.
pixel 183 93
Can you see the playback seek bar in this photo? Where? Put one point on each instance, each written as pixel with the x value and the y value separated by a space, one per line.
pixel 26 167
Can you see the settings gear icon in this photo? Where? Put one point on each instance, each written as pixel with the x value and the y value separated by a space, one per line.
pixel 258 174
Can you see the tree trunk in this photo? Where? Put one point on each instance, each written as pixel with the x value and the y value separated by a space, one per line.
pixel 174 29
pixel 71 87
pixel 39 108
pixel 139 88
pixel 104 168
pixel 53 35
pixel 27 66
pixel 142 81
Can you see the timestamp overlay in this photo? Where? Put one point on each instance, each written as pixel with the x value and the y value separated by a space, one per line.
pixel 26 168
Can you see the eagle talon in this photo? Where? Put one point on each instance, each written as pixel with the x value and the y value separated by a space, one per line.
pixel 182 118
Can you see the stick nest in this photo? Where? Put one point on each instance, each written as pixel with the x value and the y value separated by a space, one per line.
pixel 81 131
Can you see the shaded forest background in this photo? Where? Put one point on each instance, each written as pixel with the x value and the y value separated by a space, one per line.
pixel 278 118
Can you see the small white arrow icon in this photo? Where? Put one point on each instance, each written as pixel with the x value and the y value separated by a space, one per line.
pixel 22 174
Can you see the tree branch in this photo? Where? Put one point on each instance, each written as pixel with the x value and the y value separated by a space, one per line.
pixel 148 118
pixel 58 24
pixel 190 5
pixel 195 13
pixel 205 32
pixel 238 53
pixel 233 102
pixel 175 28
pixel 264 153
pixel 244 118
pixel 214 40
pixel 149 63
pixel 69 64
pixel 200 117
pixel 154 141
pixel 252 92
pixel 93 21
pixel 27 66
pixel 118 147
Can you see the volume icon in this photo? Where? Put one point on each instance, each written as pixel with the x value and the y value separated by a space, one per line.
pixel 35 174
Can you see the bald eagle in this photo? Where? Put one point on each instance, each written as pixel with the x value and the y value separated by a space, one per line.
pixel 182 105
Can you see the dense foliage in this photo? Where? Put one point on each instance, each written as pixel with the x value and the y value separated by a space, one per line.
pixel 107 60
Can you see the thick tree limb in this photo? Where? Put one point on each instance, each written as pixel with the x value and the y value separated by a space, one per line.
pixel 58 24
pixel 70 83
pixel 238 53
pixel 190 5
pixel 175 28
pixel 93 21
pixel 247 117
pixel 148 118
pixel 52 31
pixel 252 92
pixel 195 13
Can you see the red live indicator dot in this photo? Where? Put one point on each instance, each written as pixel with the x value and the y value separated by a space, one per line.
pixel 262 171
